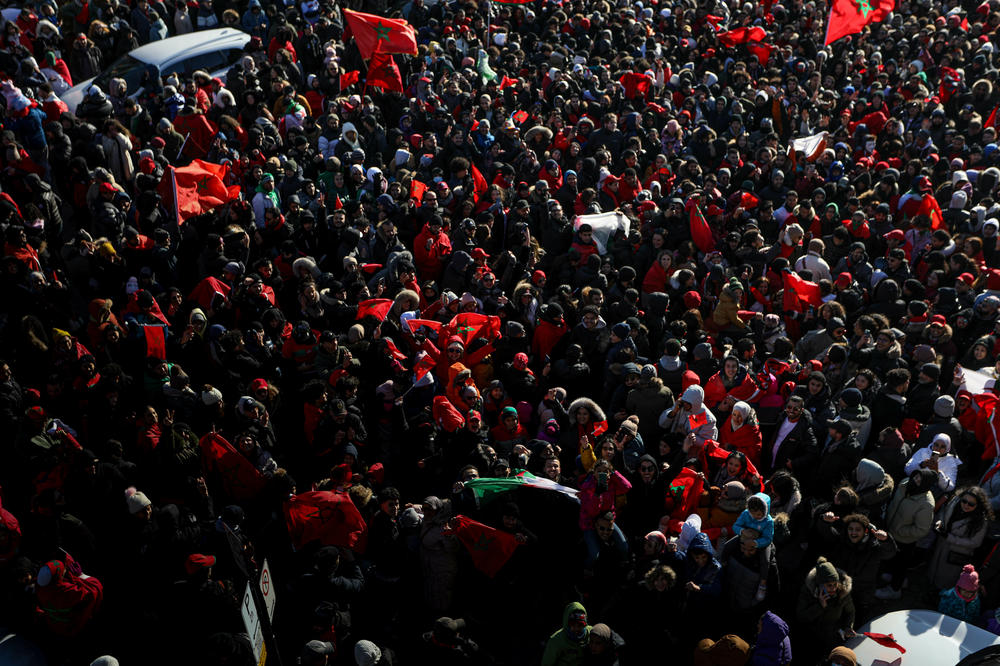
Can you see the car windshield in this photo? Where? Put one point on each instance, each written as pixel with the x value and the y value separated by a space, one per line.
pixel 126 67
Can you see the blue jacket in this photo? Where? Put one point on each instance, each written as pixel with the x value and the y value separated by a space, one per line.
pixel 765 526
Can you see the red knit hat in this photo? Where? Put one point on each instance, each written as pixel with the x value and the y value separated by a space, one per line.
pixel 692 300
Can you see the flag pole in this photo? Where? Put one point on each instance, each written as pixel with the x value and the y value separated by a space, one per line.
pixel 173 184
pixel 489 20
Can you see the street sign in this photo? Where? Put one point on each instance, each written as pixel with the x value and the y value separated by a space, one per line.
pixel 267 589
pixel 251 621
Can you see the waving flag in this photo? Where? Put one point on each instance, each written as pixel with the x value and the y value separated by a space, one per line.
pixel 738 36
pixel 348 79
pixel 685 491
pixel 488 489
pixel 240 479
pixel 490 548
pixel 197 188
pixel 384 73
pixel 472 325
pixel 327 517
pixel 701 233
pixel 848 17
pixel 376 33
pixel 376 307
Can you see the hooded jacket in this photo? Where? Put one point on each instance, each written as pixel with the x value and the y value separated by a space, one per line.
pixel 765 526
pixel 563 649
pixel 700 420
pixel 773 647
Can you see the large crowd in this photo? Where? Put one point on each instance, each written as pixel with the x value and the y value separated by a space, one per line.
pixel 749 415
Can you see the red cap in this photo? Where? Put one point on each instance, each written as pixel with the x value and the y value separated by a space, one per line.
pixel 895 234
pixel 538 276
pixel 844 280
pixel 966 278
pixel 713 210
pixel 258 384
pixel 197 562
pixel 692 300
pixel 475 415
pixel 938 320
pixel 108 188
pixel 479 253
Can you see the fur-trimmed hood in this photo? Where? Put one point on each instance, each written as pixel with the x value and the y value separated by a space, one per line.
pixel 596 413
pixel 846 583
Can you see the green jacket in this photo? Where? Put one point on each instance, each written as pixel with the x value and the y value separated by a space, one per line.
pixel 562 649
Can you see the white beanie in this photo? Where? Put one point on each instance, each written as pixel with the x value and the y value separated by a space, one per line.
pixel 366 653
pixel 211 396
pixel 136 501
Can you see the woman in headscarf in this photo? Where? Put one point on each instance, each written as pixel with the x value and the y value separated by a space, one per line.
pixel 938 458
pixel 741 432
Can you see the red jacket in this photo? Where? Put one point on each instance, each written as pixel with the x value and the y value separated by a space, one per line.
pixel 746 439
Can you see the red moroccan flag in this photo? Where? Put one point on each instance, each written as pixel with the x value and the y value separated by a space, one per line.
pixel 329 518
pixel 394 350
pixel 240 479
pixel 204 292
pixel 887 640
pixel 479 182
pixel 701 233
pixel 930 207
pixel 472 325
pixel 348 79
pixel 423 365
pixel 197 188
pixel 417 189
pixel 741 36
pixel 507 82
pixel 490 548
pixel 415 324
pixel 376 33
pixel 713 21
pixel 376 307
pixel 848 17
pixel 799 292
pixel 761 50
pixel 684 493
pixel 156 345
pixel 383 73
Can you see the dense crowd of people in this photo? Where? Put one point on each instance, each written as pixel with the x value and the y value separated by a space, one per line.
pixel 751 415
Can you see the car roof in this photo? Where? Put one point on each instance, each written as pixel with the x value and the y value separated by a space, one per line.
pixel 166 51
pixel 930 639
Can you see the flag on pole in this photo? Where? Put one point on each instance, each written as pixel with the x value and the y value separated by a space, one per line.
pixel 489 548
pixel 848 17
pixel 197 188
pixel 375 33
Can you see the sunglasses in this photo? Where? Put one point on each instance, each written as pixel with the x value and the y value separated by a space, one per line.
pixel 966 502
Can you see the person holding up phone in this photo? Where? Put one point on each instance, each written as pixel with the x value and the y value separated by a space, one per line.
pixel 938 458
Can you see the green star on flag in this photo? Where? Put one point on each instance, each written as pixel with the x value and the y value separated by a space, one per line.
pixel 864 7
pixel 374 33
pixel 382 31
pixel 203 184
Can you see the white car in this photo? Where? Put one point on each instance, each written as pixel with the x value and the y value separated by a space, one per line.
pixel 930 639
pixel 213 51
